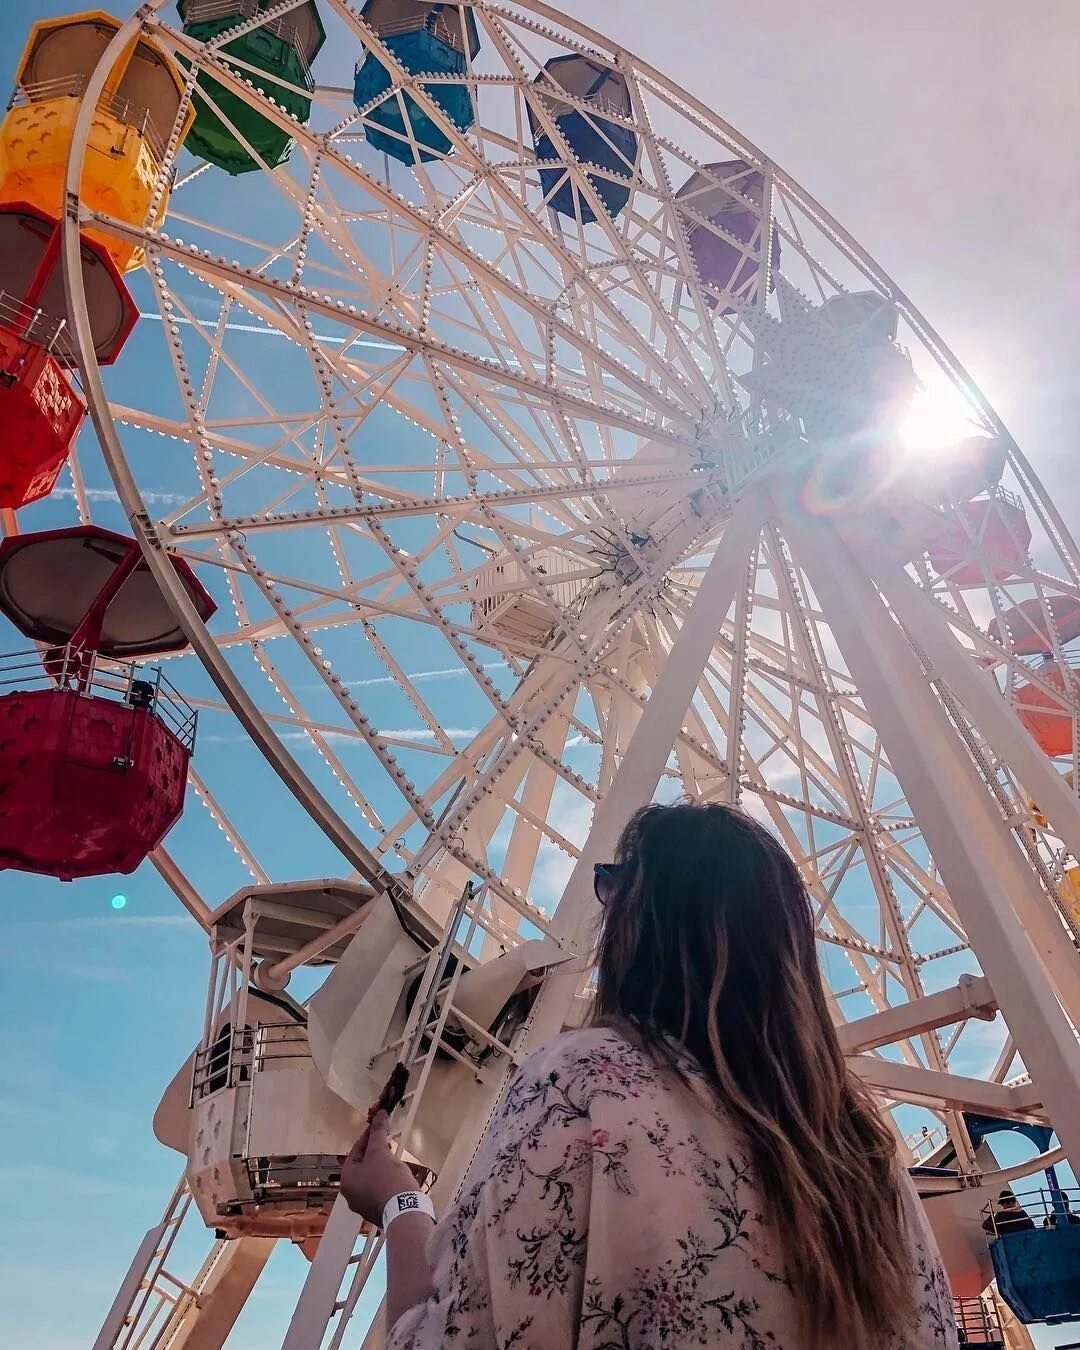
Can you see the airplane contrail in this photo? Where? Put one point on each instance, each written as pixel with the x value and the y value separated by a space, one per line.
pixel 273 332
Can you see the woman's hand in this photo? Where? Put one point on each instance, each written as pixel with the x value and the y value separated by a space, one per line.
pixel 371 1175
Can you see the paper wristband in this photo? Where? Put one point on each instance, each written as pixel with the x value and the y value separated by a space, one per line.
pixel 408 1202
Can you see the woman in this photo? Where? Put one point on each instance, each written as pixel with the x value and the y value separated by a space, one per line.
pixel 698 1167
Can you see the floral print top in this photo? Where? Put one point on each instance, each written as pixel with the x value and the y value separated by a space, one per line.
pixel 611 1208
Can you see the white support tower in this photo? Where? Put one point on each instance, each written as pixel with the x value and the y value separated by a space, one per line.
pixel 550 450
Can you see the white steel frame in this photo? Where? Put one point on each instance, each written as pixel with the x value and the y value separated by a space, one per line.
pixel 694 626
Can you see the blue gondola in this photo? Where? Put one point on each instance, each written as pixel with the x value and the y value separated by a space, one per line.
pixel 591 137
pixel 426 39
pixel 730 196
pixel 1035 1243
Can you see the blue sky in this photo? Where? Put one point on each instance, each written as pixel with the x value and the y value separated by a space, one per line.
pixel 934 137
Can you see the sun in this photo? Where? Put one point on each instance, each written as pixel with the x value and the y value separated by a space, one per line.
pixel 936 418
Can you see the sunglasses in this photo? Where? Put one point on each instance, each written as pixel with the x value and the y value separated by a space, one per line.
pixel 606 878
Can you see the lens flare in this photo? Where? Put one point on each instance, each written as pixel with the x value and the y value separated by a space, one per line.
pixel 935 419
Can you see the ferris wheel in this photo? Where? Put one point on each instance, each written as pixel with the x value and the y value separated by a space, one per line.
pixel 514 442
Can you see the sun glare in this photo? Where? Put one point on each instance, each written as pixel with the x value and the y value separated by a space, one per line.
pixel 937 418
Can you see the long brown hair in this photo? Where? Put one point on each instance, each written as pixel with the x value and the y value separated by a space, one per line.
pixel 708 938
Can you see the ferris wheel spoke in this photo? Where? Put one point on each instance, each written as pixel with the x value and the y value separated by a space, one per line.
pixel 846 768
pixel 453 409
pixel 247 288
pixel 225 825
pixel 690 371
pixel 319 739
pixel 397 205
pixel 675 347
pixel 219 358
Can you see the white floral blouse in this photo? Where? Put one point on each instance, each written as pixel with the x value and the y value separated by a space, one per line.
pixel 611 1208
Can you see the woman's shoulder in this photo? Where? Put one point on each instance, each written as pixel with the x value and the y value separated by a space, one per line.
pixel 599 1059
pixel 585 1044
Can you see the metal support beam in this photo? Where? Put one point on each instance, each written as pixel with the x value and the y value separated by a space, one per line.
pixel 357 854
pixel 971 843
pixel 944 1091
pixel 997 721
pixel 639 772
pixel 207 1323
pixel 971 997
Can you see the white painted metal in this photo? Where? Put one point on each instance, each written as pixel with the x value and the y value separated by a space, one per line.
pixel 499 562
pixel 155 1309
pixel 988 878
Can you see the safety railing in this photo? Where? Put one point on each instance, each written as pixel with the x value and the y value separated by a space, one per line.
pixel 977 1323
pixel 928 1141
pixel 1047 1207
pixel 88 675
pixel 285 26
pixel 225 1062
pixel 1002 494
pixel 399 27
pixel 279 1042
pixel 504 582
pixel 238 1052
pixel 41 91
pixel 138 117
pixel 554 93
pixel 314 1177
pixel 434 23
pixel 33 324
pixel 123 110
pixel 206 11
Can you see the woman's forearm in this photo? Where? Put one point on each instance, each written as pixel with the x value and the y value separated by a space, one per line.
pixel 408 1272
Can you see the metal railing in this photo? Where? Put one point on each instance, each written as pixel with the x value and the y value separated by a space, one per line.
pixel 87 675
pixel 206 11
pixel 33 324
pixel 1002 494
pixel 977 1322
pixel 238 1052
pixel 554 93
pixel 225 1062
pixel 434 23
pixel 1046 1207
pixel 927 1142
pixel 314 1178
pixel 123 110
pixel 138 117
pixel 285 26
pixel 504 582
pixel 41 91
pixel 278 1042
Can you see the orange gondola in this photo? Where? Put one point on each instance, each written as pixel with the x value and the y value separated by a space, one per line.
pixel 1028 628
pixel 1050 723
pixel 989 536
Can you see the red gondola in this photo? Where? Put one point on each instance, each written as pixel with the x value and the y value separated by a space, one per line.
pixel 93 751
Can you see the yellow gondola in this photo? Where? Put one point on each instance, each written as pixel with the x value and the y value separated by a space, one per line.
pixel 132 122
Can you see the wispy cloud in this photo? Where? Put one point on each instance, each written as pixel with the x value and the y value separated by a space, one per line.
pixel 277 333
pixel 343 737
pixel 28 1177
pixel 425 734
pixel 418 676
pixel 81 970
pixel 397 733
pixel 115 921
pixel 96 494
